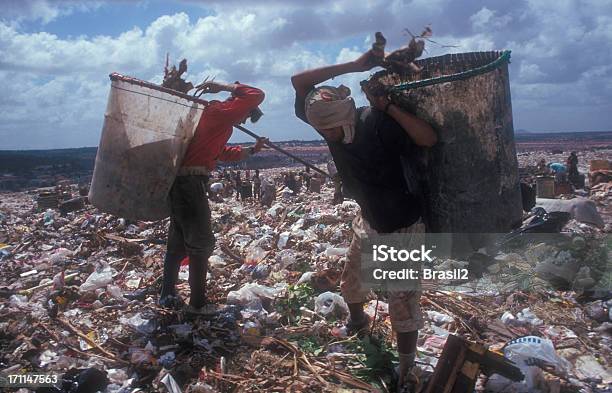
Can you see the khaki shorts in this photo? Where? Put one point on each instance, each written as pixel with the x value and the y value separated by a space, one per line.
pixel 404 307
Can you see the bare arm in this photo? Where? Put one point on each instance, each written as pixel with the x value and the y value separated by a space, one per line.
pixel 419 130
pixel 305 81
pixel 239 153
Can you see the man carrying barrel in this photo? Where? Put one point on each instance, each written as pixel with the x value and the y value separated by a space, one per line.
pixel 367 145
pixel 190 233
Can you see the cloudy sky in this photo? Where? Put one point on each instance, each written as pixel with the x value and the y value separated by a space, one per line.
pixel 55 56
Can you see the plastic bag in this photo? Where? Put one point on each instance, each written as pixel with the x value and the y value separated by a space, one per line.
pixel 146 326
pixel 285 258
pixel 97 279
pixel 329 302
pixel 274 210
pixel 283 238
pixel 49 217
pixel 171 384
pixel 18 301
pixel 336 251
pixel 261 271
pixel 115 292
pixel 306 277
pixel 528 317
pixel 438 317
pixel 249 296
pixel 60 255
pixel 530 351
pixel 167 359
pixel 251 328
pixel 254 256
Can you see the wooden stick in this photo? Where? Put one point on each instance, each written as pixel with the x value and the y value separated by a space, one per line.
pixel 59 342
pixel 91 342
pixel 30 290
pixel 68 277
pixel 89 354
pixel 285 152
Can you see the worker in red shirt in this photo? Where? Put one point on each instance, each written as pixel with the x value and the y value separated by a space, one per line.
pixel 190 232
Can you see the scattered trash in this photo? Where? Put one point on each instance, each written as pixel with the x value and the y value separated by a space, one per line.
pixel 588 368
pixel 171 384
pixel 137 322
pixel 439 318
pixel 250 295
pixel 329 303
pixel 279 270
pixel 97 279
pixel 167 359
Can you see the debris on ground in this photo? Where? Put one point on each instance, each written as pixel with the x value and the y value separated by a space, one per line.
pixel 79 289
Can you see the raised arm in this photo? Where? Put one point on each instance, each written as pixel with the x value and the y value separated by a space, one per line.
pixel 305 81
pixel 244 100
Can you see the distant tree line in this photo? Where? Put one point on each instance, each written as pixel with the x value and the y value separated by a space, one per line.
pixel 27 161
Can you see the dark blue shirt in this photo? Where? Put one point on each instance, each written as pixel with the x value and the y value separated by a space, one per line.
pixel 372 169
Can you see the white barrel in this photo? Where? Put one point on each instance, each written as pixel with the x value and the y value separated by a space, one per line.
pixel 145 134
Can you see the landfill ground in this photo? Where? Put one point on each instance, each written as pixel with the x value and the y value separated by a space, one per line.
pixel 79 291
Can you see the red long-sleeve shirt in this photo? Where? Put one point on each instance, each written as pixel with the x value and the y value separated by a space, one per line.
pixel 215 128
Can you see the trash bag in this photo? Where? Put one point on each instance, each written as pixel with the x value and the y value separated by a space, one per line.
pixel 530 352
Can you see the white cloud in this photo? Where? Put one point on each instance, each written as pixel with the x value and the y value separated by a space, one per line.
pixel 561 57
pixel 530 72
pixel 487 19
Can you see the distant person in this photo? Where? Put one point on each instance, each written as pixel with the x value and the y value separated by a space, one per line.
pixel 557 167
pixel 331 168
pixel 338 197
pixel 216 192
pixel 237 185
pixel 291 183
pixel 572 165
pixel 559 170
pixel 306 177
pixel 542 167
pixel 268 192
pixel 256 185
pixel 246 190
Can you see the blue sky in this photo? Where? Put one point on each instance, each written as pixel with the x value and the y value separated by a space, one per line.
pixel 55 56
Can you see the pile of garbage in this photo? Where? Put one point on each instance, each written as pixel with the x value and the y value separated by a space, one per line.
pixel 79 288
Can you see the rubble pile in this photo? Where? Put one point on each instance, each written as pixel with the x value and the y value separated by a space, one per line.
pixel 79 288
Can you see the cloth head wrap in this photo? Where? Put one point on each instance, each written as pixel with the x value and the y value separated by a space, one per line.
pixel 330 107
